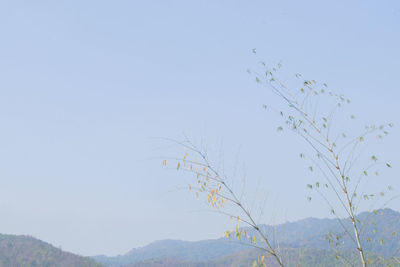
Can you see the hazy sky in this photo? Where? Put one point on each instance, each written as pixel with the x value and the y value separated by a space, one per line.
pixel 86 86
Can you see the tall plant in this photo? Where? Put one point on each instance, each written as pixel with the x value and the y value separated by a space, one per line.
pixel 216 187
pixel 317 116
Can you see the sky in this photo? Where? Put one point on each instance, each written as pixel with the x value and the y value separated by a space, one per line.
pixel 89 89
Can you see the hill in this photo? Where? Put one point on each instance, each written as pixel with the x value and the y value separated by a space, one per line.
pixel 303 239
pixel 290 257
pixel 16 251
pixel 205 250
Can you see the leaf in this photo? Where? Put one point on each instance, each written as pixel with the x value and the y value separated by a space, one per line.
pixel 227 234
pixel 178 166
pixel 164 162
pixel 388 165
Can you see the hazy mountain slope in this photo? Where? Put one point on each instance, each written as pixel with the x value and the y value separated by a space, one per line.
pixel 382 226
pixel 245 258
pixel 188 251
pixel 16 251
pixel 308 233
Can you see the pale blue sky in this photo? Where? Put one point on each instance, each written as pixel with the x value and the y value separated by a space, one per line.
pixel 85 86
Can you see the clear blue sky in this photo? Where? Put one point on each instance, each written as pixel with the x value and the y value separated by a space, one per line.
pixel 86 85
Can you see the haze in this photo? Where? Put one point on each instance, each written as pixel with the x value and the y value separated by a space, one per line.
pixel 88 87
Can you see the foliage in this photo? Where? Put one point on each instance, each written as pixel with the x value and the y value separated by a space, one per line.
pixel 213 183
pixel 318 116
pixel 335 155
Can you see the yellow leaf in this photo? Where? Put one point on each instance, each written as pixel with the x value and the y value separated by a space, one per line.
pixel 262 258
pixel 164 162
pixel 178 166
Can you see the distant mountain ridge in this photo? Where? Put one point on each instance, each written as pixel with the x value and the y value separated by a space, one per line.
pixel 381 227
pixel 20 250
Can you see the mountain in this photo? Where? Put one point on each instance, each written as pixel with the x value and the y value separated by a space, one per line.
pixel 175 249
pixel 305 238
pixel 291 257
pixel 379 232
pixel 16 251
